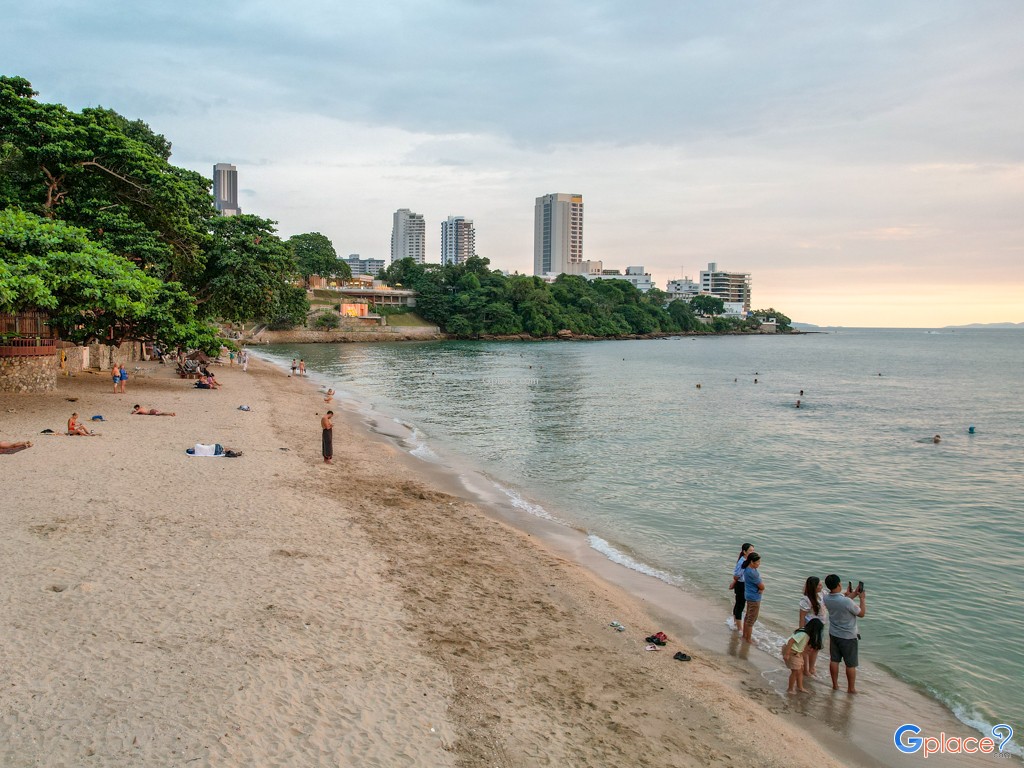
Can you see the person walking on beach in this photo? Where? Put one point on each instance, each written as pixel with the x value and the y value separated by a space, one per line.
pixel 812 617
pixel 843 639
pixel 753 586
pixel 738 588
pixel 244 359
pixel 328 439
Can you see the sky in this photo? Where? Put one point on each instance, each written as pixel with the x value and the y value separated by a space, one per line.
pixel 864 161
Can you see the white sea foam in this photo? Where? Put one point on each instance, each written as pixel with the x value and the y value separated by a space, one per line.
pixel 972 719
pixel 417 445
pixel 519 502
pixel 617 556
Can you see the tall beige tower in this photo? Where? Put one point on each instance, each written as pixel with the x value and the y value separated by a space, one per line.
pixel 557 233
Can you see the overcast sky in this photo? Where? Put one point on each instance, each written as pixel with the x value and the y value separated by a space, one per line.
pixel 863 160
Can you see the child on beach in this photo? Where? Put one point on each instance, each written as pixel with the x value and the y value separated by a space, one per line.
pixel 793 655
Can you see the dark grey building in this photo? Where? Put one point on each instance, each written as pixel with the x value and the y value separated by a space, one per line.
pixel 225 189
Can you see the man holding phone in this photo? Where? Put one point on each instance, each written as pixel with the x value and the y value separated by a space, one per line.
pixel 843 613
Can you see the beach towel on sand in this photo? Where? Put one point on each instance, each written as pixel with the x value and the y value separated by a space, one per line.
pixel 201 449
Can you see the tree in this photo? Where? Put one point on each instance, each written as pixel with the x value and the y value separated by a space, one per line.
pixel 784 323
pixel 315 255
pixel 707 305
pixel 90 293
pixel 251 274
pixel 110 175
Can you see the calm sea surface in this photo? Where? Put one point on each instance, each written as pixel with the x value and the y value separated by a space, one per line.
pixel 616 438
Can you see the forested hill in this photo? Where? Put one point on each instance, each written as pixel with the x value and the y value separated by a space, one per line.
pixel 470 300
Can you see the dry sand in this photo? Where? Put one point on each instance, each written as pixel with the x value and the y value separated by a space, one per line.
pixel 268 610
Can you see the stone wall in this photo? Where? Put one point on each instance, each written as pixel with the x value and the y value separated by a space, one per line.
pixel 372 333
pixel 29 374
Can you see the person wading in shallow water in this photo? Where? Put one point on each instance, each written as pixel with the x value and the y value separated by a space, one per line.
pixel 738 587
pixel 328 439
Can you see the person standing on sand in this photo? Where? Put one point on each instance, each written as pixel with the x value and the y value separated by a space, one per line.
pixel 302 367
pixel 244 357
pixel 328 439
pixel 753 586
pixel 737 586
pixel 842 630
pixel 812 618
pixel 115 375
pixel 294 366
pixel 124 378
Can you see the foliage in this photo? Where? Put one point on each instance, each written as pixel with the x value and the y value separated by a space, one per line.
pixel 89 292
pixel 326 320
pixel 785 325
pixel 707 305
pixel 109 175
pixel 471 300
pixel 251 274
pixel 315 255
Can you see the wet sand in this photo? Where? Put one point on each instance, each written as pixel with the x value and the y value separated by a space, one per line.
pixel 160 609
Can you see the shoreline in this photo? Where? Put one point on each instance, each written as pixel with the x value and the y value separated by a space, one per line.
pixel 274 609
pixel 699 619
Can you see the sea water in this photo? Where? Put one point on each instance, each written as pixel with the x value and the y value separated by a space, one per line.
pixel 670 453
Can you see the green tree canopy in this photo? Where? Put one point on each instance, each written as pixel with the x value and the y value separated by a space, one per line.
pixel 708 305
pixel 89 293
pixel 315 255
pixel 784 323
pixel 109 175
pixel 251 273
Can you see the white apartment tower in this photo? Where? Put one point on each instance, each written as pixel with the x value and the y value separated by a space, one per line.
pixel 731 287
pixel 458 240
pixel 408 236
pixel 225 189
pixel 557 233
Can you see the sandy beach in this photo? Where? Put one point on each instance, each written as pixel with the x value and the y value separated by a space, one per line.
pixel 160 609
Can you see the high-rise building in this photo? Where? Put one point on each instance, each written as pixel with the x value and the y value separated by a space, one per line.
pixel 458 240
pixel 557 233
pixel 361 266
pixel 408 236
pixel 225 189
pixel 731 287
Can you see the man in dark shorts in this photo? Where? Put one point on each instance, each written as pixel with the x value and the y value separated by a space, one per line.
pixel 328 438
pixel 843 638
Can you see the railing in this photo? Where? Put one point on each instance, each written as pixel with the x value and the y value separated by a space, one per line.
pixel 27 346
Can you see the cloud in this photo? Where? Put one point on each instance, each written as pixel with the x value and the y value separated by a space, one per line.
pixel 768 137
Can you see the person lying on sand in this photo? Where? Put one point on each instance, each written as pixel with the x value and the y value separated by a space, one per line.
pixel 138 410
pixel 4 444
pixel 74 428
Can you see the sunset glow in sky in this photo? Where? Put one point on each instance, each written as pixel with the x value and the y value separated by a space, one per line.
pixel 864 161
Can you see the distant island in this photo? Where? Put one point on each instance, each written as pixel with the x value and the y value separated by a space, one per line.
pixel 986 325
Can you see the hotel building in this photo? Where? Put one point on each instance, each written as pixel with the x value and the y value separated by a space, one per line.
pixel 458 240
pixel 408 236
pixel 557 233
pixel 225 189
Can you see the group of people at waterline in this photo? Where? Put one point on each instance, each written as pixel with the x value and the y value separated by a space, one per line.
pixel 834 607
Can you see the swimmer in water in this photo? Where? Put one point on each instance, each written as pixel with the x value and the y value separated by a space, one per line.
pixel 937 439
pixel 797 403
